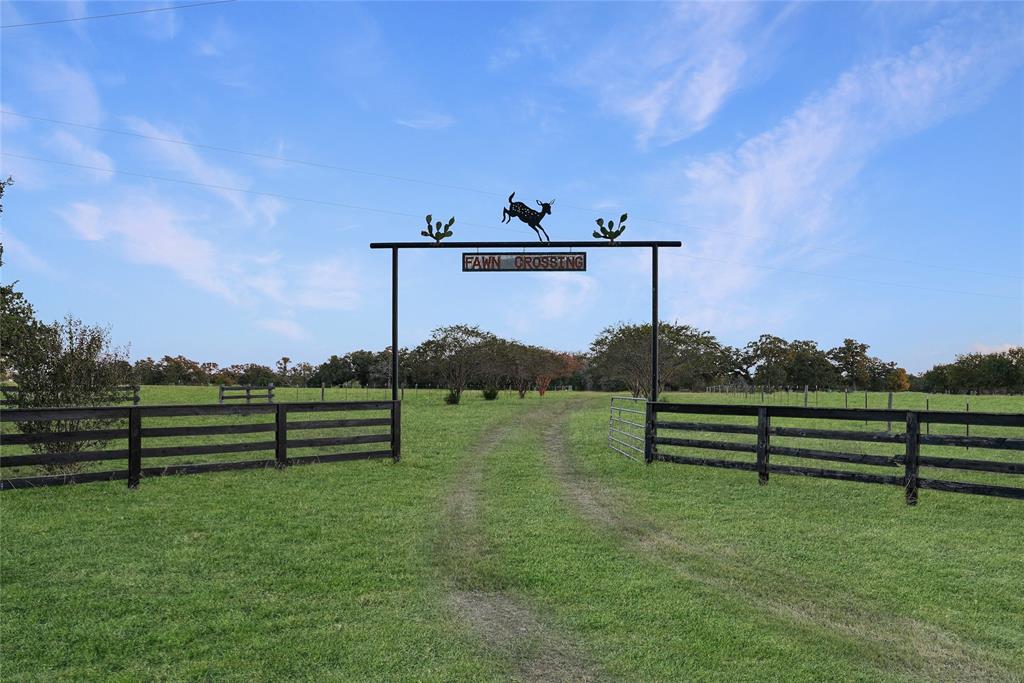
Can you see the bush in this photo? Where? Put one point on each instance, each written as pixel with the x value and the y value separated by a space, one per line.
pixel 490 394
pixel 453 397
pixel 68 364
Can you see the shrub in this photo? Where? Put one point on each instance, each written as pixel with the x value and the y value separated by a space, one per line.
pixel 453 397
pixel 490 394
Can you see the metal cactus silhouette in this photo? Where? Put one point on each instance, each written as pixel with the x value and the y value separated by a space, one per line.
pixel 610 232
pixel 438 232
pixel 527 215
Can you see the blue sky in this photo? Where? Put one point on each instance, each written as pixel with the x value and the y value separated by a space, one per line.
pixel 834 170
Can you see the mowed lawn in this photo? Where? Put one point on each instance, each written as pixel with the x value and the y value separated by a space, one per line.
pixel 510 543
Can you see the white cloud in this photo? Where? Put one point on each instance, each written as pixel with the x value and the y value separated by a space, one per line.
pixel 671 77
pixel 783 182
pixel 188 161
pixel 16 251
pixel 995 348
pixel 73 149
pixel 71 92
pixel 427 122
pixel 285 328
pixel 153 233
pixel 556 296
pixel 331 285
pixel 161 25
pixel 217 42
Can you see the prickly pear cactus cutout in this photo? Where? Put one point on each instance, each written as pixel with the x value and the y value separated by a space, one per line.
pixel 438 232
pixel 610 232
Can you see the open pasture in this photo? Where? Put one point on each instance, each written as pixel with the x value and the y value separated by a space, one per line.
pixel 509 543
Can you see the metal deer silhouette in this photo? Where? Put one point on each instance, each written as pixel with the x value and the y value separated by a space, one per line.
pixel 527 215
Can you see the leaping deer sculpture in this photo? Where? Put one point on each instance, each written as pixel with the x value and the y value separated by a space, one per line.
pixel 527 215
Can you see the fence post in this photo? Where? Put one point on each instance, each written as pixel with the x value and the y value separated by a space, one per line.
pixel 888 427
pixel 270 393
pixel 967 424
pixel 913 451
pixel 396 431
pixel 649 436
pixel 281 435
pixel 763 424
pixel 220 393
pixel 134 447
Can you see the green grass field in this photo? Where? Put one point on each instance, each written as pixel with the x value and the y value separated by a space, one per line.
pixel 511 544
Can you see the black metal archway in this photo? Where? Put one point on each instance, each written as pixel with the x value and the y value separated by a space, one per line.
pixel 395 247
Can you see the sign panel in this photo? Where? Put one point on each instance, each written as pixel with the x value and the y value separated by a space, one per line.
pixel 524 262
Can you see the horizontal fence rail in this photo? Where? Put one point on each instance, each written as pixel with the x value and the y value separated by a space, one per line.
pixel 10 395
pixel 62 440
pixel 671 427
pixel 244 392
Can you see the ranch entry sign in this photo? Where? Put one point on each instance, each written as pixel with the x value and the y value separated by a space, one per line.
pixel 524 262
pixel 521 262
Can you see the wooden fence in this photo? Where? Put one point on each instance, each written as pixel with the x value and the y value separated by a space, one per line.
pixel 66 430
pixel 666 431
pixel 246 393
pixel 10 394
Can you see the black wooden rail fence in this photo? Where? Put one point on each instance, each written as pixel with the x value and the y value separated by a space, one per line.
pixel 667 424
pixel 145 442
pixel 10 394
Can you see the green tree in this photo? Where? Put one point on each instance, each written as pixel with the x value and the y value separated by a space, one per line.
pixel 852 363
pixel 450 355
pixel 362 363
pixel 334 371
pixel 620 356
pixel 68 364
pixel 282 370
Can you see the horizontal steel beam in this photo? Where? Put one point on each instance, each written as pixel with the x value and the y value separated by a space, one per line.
pixel 524 245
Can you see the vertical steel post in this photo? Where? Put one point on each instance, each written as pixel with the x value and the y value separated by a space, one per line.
pixel 654 323
pixel 394 324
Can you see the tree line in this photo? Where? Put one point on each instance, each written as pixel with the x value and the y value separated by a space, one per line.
pixel 461 357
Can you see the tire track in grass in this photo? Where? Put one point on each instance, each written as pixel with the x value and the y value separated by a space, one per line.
pixel 536 649
pixel 910 646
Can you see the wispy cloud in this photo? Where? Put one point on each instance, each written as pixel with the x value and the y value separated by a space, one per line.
pixel 286 328
pixel 217 42
pixel 72 148
pixel 188 161
pixel 784 181
pixel 981 347
pixel 329 285
pixel 558 296
pixel 17 252
pixel 70 91
pixel 427 122
pixel 153 233
pixel 672 75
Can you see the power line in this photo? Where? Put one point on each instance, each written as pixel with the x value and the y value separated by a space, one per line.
pixel 228 188
pixel 463 188
pixel 392 212
pixel 117 14
pixel 255 155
